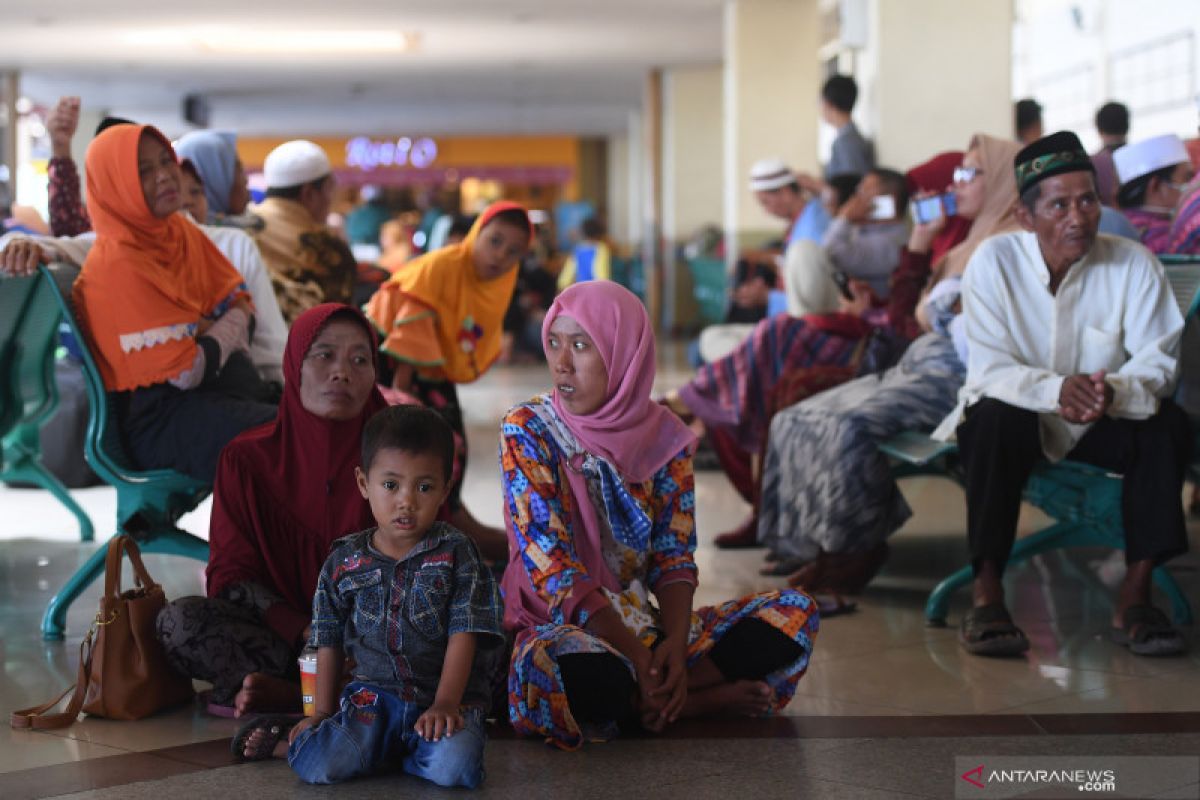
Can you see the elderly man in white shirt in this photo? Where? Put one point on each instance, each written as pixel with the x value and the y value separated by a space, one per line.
pixel 1073 345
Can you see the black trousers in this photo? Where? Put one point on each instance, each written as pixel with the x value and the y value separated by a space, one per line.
pixel 1000 444
pixel 168 428
pixel 599 687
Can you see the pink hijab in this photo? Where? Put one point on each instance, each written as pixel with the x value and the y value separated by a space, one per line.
pixel 630 431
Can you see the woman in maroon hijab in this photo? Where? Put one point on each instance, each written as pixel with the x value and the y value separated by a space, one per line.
pixel 284 491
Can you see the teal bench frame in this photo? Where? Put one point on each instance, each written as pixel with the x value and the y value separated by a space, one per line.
pixel 710 287
pixel 1084 501
pixel 29 320
pixel 149 502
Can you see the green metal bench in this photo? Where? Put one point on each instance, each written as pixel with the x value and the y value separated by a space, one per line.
pixel 1084 501
pixel 628 272
pixel 149 502
pixel 29 318
pixel 710 287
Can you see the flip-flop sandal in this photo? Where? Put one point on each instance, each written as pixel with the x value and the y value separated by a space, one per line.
pixel 1146 631
pixel 276 727
pixel 216 709
pixel 989 631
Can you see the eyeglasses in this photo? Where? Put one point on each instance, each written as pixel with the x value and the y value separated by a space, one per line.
pixel 966 174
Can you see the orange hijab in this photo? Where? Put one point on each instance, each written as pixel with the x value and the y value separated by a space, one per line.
pixel 470 312
pixel 147 282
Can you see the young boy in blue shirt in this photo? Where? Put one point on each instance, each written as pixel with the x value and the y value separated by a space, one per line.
pixel 413 606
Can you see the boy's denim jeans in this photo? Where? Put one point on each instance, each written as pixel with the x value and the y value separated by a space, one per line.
pixel 374 727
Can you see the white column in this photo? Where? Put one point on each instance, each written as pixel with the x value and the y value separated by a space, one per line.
pixel 618 188
pixel 925 98
pixel 772 84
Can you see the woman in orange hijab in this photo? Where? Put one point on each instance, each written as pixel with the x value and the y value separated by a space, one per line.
pixel 441 319
pixel 166 316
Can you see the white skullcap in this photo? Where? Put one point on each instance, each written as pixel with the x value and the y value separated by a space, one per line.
pixel 1141 158
pixel 770 174
pixel 295 163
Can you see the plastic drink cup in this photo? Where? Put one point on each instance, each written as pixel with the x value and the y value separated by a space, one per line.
pixel 308 680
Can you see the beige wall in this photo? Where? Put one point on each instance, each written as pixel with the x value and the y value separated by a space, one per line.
pixel 626 181
pixel 692 150
pixel 618 189
pixel 771 88
pixel 936 72
pixel 693 175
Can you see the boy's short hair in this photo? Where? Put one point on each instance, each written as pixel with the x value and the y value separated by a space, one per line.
pixel 1027 112
pixel 843 185
pixel 1113 119
pixel 593 228
pixel 895 184
pixel 841 92
pixel 413 429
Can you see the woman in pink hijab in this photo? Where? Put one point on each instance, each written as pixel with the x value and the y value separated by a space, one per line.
pixel 600 510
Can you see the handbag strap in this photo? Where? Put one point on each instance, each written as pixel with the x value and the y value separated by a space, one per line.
pixel 112 565
pixel 36 717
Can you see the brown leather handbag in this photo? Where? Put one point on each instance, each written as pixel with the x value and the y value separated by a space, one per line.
pixel 123 671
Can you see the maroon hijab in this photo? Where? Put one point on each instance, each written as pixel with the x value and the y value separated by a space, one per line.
pixel 286 490
pixel 937 175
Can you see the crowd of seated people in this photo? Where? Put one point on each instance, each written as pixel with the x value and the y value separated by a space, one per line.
pixel 824 500
pixel 998 315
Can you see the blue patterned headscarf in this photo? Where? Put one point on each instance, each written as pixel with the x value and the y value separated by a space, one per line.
pixel 214 154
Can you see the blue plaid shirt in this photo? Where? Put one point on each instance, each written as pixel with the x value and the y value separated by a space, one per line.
pixel 395 618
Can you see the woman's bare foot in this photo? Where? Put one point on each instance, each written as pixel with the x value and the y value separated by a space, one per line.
pixel 262 692
pixel 739 698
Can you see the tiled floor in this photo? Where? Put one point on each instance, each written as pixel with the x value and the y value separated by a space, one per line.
pixel 885 706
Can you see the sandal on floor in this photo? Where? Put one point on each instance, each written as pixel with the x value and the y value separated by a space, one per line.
pixel 276 726
pixel 840 573
pixel 989 631
pixel 741 537
pixel 215 709
pixel 1146 631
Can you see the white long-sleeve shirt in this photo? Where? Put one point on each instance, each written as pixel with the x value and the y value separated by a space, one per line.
pixel 1113 311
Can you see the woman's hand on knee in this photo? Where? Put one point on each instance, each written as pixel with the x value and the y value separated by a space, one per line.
pixel 669 665
pixel 648 683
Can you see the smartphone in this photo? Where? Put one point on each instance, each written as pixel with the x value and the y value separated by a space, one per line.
pixel 842 281
pixel 883 207
pixel 927 209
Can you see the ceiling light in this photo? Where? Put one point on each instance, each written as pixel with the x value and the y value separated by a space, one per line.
pixel 256 41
